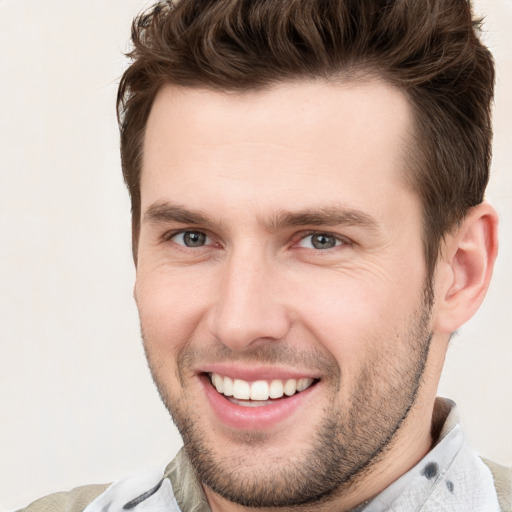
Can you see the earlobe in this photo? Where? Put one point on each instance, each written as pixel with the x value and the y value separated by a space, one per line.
pixel 466 268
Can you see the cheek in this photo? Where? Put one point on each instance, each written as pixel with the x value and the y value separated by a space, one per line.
pixel 356 316
pixel 170 307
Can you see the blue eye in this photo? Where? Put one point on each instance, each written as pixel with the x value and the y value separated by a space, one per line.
pixel 320 241
pixel 190 238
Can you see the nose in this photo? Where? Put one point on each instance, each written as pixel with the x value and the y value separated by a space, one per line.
pixel 249 310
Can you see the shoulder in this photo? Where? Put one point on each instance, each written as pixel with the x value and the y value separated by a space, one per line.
pixel 73 501
pixel 147 491
pixel 502 476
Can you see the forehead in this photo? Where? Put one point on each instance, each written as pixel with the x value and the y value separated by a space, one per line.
pixel 295 143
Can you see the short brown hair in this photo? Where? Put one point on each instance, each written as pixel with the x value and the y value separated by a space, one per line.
pixel 429 49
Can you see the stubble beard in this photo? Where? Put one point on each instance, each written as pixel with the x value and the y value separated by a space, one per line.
pixel 350 439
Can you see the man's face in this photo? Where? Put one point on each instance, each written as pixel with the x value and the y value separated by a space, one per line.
pixel 280 254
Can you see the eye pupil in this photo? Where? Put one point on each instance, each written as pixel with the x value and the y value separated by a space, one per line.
pixel 323 241
pixel 194 238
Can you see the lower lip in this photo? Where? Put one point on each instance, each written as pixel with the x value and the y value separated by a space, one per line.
pixel 241 417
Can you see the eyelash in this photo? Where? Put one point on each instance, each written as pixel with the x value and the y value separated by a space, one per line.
pixel 340 240
pixel 171 234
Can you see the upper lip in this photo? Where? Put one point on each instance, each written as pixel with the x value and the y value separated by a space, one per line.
pixel 254 372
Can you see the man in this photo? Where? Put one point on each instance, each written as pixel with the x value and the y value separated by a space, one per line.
pixel 309 229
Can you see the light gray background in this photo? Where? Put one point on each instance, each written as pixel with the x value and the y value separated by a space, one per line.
pixel 77 404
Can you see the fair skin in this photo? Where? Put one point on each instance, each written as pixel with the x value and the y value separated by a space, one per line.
pixel 280 243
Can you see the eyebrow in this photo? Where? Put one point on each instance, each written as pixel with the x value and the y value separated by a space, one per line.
pixel 329 216
pixel 165 212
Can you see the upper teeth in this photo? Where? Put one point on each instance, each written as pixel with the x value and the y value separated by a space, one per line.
pixel 260 389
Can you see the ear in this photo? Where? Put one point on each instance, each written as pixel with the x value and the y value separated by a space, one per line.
pixel 465 268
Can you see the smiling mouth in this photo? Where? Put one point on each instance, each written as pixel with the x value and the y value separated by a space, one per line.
pixel 258 393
